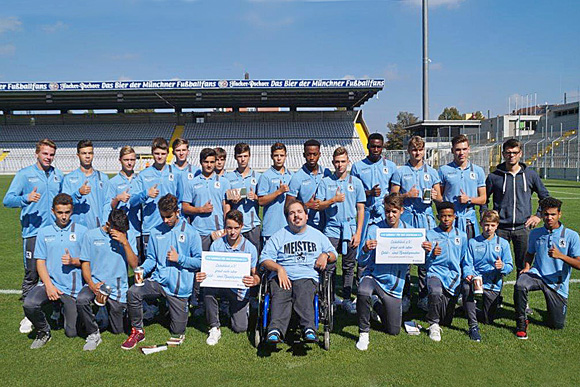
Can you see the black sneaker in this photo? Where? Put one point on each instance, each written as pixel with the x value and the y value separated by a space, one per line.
pixel 41 339
pixel 474 333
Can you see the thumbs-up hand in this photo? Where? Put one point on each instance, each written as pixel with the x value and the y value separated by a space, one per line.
pixel 207 208
pixel 437 249
pixel 498 264
pixel 153 192
pixel 172 255
pixel 413 192
pixel 376 190
pixel 66 259
pixel 252 195
pixel 463 198
pixel 85 188
pixel 124 196
pixel 34 196
pixel 339 196
pixel 283 188
pixel 313 203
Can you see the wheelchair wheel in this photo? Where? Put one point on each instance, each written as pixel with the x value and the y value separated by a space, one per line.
pixel 326 343
pixel 260 330
pixel 330 306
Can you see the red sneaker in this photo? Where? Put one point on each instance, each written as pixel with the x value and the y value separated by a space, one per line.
pixel 134 338
pixel 522 333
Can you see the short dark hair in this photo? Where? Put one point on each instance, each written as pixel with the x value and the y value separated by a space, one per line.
pixel 459 139
pixel 240 148
pixel 445 206
pixel 277 146
pixel 393 200
pixel 83 144
pixel 168 203
pixel 118 220
pixel 62 199
pixel 376 136
pixel 205 153
pixel 220 152
pixel 287 206
pixel 511 143
pixel 550 202
pixel 236 216
pixel 311 142
pixel 159 143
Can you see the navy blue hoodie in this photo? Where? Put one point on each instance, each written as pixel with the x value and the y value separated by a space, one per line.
pixel 512 195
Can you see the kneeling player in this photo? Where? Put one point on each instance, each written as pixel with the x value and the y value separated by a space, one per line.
pixel 55 247
pixel 239 299
pixel 554 251
pixel 385 280
pixel 173 254
pixel 293 255
pixel 105 254
pixel 490 258
pixel 447 248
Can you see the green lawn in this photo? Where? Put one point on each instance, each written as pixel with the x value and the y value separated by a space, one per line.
pixel 547 358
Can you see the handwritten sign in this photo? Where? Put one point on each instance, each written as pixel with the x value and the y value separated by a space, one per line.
pixel 225 270
pixel 400 245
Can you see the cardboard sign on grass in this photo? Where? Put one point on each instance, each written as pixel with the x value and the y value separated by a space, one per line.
pixel 225 270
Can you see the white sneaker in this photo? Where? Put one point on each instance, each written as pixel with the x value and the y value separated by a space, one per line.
pixel 363 341
pixel 93 341
pixel 406 304
pixel 435 332
pixel 214 336
pixel 349 307
pixel 25 325
pixel 423 304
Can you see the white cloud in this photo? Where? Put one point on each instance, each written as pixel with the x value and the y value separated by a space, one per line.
pixel 436 3
pixel 11 23
pixel 7 50
pixel 52 28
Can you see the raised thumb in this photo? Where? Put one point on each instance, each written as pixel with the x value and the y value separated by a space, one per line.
pixel 155 186
pixel 34 190
pixel 86 182
pixel 66 251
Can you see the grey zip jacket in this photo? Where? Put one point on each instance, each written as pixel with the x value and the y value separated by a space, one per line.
pixel 512 195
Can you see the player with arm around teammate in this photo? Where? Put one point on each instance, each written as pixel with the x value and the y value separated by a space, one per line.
pixel 105 254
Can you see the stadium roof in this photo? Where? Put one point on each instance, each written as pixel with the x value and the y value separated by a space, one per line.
pixel 180 94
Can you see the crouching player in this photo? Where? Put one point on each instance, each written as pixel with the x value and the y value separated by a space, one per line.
pixel 55 247
pixel 232 242
pixel 383 280
pixel 446 248
pixel 105 253
pixel 173 254
pixel 554 251
pixel 293 255
pixel 490 258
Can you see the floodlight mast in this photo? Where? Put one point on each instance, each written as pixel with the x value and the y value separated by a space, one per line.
pixel 425 61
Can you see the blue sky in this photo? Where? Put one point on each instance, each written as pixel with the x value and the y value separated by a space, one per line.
pixel 482 51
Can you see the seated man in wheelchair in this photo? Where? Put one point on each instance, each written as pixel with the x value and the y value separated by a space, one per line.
pixel 383 280
pixel 292 256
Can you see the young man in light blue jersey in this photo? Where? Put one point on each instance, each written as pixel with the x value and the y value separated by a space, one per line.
pixel 273 186
pixel 121 188
pixel 88 188
pixel 446 259
pixel 375 173
pixel 184 171
pixel 293 255
pixel 245 178
pixel 383 281
pixel 463 184
pixel 343 199
pixel 173 255
pixel 232 242
pixel 488 256
pixel 305 184
pixel 220 161
pixel 32 190
pixel 553 250
pixel 419 185
pixel 155 181
pixel 57 249
pixel 105 254
pixel 206 201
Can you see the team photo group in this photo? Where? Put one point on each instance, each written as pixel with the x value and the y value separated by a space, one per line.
pixel 112 253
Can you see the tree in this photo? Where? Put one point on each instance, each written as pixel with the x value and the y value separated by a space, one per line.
pixel 397 131
pixel 478 115
pixel 450 114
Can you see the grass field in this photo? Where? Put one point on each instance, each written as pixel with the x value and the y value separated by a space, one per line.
pixel 547 358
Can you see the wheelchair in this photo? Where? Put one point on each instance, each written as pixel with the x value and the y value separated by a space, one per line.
pixel 323 309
